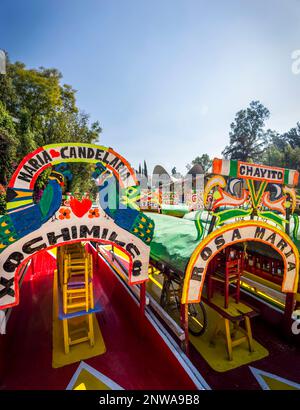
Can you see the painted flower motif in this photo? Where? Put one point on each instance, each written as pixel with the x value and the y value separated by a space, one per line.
pixel 94 213
pixel 64 213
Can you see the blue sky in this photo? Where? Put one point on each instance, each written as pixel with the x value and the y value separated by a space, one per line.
pixel 164 77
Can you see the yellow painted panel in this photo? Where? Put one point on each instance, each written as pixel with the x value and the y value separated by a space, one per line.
pixel 90 382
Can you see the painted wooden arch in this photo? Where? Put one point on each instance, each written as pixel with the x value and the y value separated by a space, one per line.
pixel 240 232
pixel 34 163
pixel 63 231
pixel 29 226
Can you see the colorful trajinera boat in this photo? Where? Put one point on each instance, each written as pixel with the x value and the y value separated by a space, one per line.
pixel 99 296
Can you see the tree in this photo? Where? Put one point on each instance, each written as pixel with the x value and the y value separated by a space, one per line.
pixel 44 111
pixel 293 136
pixel 8 95
pixel 204 161
pixel 286 157
pixel 173 171
pixel 8 145
pixel 282 150
pixel 2 200
pixel 27 141
pixel 273 156
pixel 145 169
pixel 247 135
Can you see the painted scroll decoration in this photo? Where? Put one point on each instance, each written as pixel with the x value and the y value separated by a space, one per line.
pixel 30 227
pixel 248 202
pixel 251 191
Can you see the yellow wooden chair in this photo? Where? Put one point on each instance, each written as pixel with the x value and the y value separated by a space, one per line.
pixel 77 286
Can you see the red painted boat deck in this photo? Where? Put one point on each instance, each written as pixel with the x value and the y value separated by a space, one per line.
pixel 136 356
pixel 283 360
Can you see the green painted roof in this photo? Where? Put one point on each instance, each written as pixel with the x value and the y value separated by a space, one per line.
pixel 174 240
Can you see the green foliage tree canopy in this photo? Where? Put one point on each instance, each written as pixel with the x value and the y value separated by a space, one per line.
pixel 37 109
pixel 247 135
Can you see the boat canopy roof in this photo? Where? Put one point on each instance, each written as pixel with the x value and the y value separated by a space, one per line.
pixel 174 240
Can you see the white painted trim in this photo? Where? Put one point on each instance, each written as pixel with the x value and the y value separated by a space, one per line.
pixel 2 322
pixel 185 362
pixel 257 373
pixel 100 376
pixel 51 254
pixel 167 319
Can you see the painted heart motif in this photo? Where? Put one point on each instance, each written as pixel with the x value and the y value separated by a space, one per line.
pixel 80 208
pixel 54 154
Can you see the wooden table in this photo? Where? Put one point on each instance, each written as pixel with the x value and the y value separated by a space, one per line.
pixel 236 313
